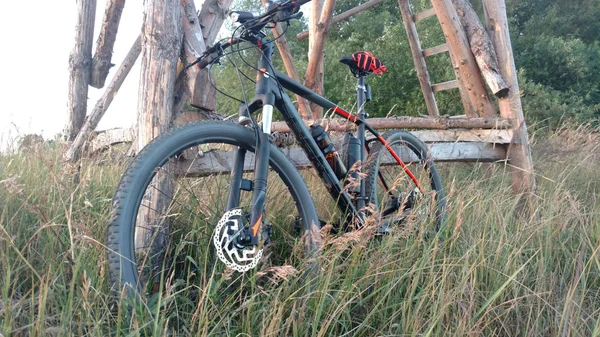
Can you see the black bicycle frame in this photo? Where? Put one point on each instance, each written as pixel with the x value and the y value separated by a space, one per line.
pixel 269 94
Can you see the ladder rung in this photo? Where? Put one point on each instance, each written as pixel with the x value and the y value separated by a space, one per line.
pixel 424 14
pixel 435 50
pixel 444 86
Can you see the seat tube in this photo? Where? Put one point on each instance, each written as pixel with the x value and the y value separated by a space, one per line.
pixel 360 101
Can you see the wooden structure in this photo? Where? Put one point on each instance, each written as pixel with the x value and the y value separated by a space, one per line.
pixel 480 54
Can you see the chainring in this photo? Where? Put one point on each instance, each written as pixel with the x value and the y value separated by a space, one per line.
pixel 239 259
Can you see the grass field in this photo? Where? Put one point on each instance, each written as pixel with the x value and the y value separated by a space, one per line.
pixel 495 274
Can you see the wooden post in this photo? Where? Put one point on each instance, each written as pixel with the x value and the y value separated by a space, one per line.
pixel 161 46
pixel 481 47
pixel 104 102
pixel 106 41
pixel 467 67
pixel 80 62
pixel 519 152
pixel 321 14
pixel 418 59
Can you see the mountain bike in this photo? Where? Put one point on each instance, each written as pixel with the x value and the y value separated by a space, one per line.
pixel 217 193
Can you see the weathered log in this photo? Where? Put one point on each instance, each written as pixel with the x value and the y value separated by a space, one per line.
pixel 104 102
pixel 481 47
pixel 467 67
pixel 519 152
pixel 161 45
pixel 434 123
pixel 80 67
pixel 107 138
pixel 418 59
pixel 288 62
pixel 220 162
pixel 343 16
pixel 106 41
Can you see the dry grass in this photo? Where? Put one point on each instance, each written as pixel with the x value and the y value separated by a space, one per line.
pixel 494 275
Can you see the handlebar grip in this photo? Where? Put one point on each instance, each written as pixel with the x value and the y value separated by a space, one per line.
pixel 204 63
pixel 301 2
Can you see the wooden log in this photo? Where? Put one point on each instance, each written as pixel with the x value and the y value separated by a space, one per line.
pixel 467 67
pixel 481 47
pixel 470 110
pixel 343 16
pixel 519 152
pixel 445 86
pixel 106 41
pixel 288 62
pixel 433 123
pixel 319 27
pixel 108 138
pixel 161 46
pixel 424 14
pixel 418 59
pixel 104 102
pixel 80 67
pixel 220 162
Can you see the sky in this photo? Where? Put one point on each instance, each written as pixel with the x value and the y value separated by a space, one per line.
pixel 37 37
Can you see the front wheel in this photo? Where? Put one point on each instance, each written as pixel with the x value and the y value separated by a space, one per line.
pixel 397 200
pixel 174 195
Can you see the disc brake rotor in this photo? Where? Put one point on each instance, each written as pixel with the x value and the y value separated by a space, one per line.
pixel 228 228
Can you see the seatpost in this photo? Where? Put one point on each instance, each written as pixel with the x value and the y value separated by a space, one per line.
pixel 361 91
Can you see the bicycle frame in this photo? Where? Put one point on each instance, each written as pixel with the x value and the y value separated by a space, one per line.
pixel 269 95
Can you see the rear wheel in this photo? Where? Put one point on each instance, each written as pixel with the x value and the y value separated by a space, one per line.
pixel 399 204
pixel 174 195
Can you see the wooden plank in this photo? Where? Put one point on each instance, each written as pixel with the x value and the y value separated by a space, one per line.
pixel 483 136
pixel 435 50
pixel 343 16
pixel 445 86
pixel 467 67
pixel 418 59
pixel 424 14
pixel 220 162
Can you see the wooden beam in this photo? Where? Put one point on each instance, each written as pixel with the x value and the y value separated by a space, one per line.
pixel 519 152
pixel 106 41
pixel 107 138
pixel 467 67
pixel 481 47
pixel 435 50
pixel 433 123
pixel 343 16
pixel 424 15
pixel 219 162
pixel 418 59
pixel 445 86
pixel 104 102
pixel 80 67
pixel 193 48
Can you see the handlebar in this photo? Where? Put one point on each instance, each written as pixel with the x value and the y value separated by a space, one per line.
pixel 276 12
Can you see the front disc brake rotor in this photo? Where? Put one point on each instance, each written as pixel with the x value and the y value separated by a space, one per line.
pixel 228 229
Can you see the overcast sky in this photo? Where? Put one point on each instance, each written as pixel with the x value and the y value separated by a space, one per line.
pixel 37 37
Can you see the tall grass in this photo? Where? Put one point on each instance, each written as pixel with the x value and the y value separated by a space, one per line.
pixel 495 274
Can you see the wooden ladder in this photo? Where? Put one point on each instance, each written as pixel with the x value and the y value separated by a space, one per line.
pixel 419 54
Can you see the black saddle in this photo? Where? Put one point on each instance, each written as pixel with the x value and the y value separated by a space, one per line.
pixel 356 71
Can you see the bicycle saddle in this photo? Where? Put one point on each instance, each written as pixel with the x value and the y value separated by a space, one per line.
pixel 363 63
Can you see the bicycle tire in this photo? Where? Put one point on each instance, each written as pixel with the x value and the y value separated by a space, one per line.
pixel 136 179
pixel 402 141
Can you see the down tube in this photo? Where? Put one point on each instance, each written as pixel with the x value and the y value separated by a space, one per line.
pixel 314 154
